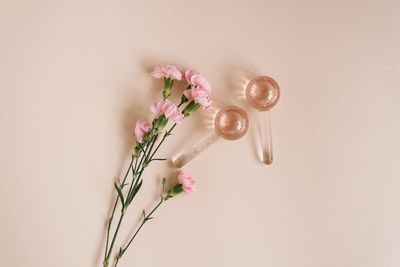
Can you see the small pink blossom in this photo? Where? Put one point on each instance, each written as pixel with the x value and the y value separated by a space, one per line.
pixel 187 182
pixel 167 108
pixel 200 96
pixel 167 71
pixel 197 80
pixel 141 129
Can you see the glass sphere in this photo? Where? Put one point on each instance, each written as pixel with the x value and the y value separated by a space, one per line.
pixel 231 123
pixel 262 93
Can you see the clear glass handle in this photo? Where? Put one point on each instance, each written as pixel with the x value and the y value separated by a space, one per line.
pixel 266 137
pixel 195 150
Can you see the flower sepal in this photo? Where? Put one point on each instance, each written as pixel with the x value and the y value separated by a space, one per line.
pixel 138 150
pixel 159 123
pixel 177 189
pixel 190 108
pixel 148 136
pixel 168 83
pixel 184 99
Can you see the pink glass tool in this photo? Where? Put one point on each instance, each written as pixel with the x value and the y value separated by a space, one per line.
pixel 262 93
pixel 230 123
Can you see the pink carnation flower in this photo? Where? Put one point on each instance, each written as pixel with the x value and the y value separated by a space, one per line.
pixel 167 71
pixel 141 129
pixel 197 80
pixel 200 96
pixel 167 108
pixel 187 182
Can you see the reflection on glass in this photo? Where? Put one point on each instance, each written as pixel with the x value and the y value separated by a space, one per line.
pixel 230 123
pixel 263 93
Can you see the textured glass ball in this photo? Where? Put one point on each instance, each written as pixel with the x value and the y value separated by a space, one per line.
pixel 262 93
pixel 231 123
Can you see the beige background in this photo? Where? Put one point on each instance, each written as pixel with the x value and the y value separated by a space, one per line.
pixel 74 78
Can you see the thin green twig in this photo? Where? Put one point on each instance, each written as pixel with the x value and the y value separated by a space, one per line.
pixel 145 219
pixel 144 159
pixel 113 211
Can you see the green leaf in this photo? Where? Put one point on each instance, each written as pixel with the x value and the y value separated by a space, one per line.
pixel 132 195
pixel 159 159
pixel 137 189
pixel 121 196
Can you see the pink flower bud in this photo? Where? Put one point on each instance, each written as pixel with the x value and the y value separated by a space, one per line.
pixel 200 96
pixel 142 128
pixel 167 71
pixel 167 108
pixel 197 80
pixel 187 182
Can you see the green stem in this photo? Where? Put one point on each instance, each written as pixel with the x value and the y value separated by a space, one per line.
pixel 145 158
pixel 109 226
pixel 107 257
pixel 145 219
pixel 139 173
pixel 108 250
pixel 115 235
pixel 146 161
pixel 162 140
pixel 113 211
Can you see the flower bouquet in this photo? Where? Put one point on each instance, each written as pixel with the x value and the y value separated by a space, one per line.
pixel 148 142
